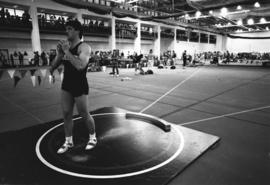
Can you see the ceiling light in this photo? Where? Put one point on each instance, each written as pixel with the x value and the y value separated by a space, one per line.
pixel 262 20
pixel 257 5
pixel 240 22
pixel 267 28
pixel 239 30
pixel 223 11
pixel 239 7
pixel 211 12
pixel 250 21
pixel 198 14
pixel 186 16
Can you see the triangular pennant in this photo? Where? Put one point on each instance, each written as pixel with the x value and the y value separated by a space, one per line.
pixel 16 80
pixel 61 76
pixel 51 79
pixel 43 72
pixel 33 78
pixel 60 70
pixel 23 72
pixel 11 72
pixel 32 71
pixel 39 80
pixel 1 73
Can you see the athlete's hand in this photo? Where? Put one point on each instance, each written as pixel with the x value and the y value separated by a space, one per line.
pixel 59 50
pixel 65 45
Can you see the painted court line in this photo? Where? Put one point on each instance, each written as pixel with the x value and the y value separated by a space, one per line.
pixel 21 108
pixel 181 83
pixel 226 115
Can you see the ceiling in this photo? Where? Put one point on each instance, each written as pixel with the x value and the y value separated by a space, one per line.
pixel 211 13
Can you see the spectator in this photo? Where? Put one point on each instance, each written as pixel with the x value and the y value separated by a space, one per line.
pixel 21 59
pixel 43 59
pixel 2 13
pixel 25 17
pixel 115 57
pixel 7 15
pixel 184 57
pixel 36 58
pixel 11 60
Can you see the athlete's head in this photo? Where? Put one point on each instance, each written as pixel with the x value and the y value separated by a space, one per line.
pixel 74 29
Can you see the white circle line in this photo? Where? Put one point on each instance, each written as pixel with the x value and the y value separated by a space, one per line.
pixel 179 150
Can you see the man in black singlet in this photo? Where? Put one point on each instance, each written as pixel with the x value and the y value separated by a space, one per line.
pixel 74 88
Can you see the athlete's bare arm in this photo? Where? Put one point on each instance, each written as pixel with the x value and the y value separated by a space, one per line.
pixel 84 52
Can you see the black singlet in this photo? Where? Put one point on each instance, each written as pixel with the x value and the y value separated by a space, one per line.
pixel 75 81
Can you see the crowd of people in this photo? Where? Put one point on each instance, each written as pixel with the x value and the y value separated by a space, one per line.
pixel 105 58
pixel 22 59
pixel 167 33
pixel 57 23
pixel 7 20
pixel 52 22
pixel 124 30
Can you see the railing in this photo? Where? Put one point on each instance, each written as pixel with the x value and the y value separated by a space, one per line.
pixel 15 24
pixel 167 34
pixel 58 27
pixel 146 35
pixel 125 33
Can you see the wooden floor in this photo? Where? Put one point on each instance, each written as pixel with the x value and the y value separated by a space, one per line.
pixel 232 103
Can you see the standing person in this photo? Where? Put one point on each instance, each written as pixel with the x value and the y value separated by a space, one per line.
pixel 173 58
pixel 74 86
pixel 150 57
pixel 184 58
pixel 115 57
pixel 43 58
pixel 11 60
pixel 36 58
pixel 21 58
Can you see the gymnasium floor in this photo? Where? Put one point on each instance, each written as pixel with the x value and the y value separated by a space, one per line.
pixel 230 102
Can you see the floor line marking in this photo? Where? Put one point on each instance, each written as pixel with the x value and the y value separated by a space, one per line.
pixel 181 83
pixel 226 115
pixel 21 108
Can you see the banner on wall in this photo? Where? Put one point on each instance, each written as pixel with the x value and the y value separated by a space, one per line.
pixel 242 37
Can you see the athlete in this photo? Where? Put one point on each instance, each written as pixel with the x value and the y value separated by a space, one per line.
pixel 74 90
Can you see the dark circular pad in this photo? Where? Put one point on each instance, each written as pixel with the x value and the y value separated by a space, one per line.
pixel 124 146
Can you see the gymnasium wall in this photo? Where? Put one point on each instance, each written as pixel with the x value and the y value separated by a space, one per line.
pixel 125 46
pixel 195 47
pixel 146 45
pixel 166 44
pixel 17 45
pixel 249 45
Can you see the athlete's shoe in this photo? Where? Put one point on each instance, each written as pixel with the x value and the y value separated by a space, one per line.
pixel 65 147
pixel 91 143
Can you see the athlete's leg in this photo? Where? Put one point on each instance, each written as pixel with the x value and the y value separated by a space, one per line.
pixel 82 107
pixel 67 103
